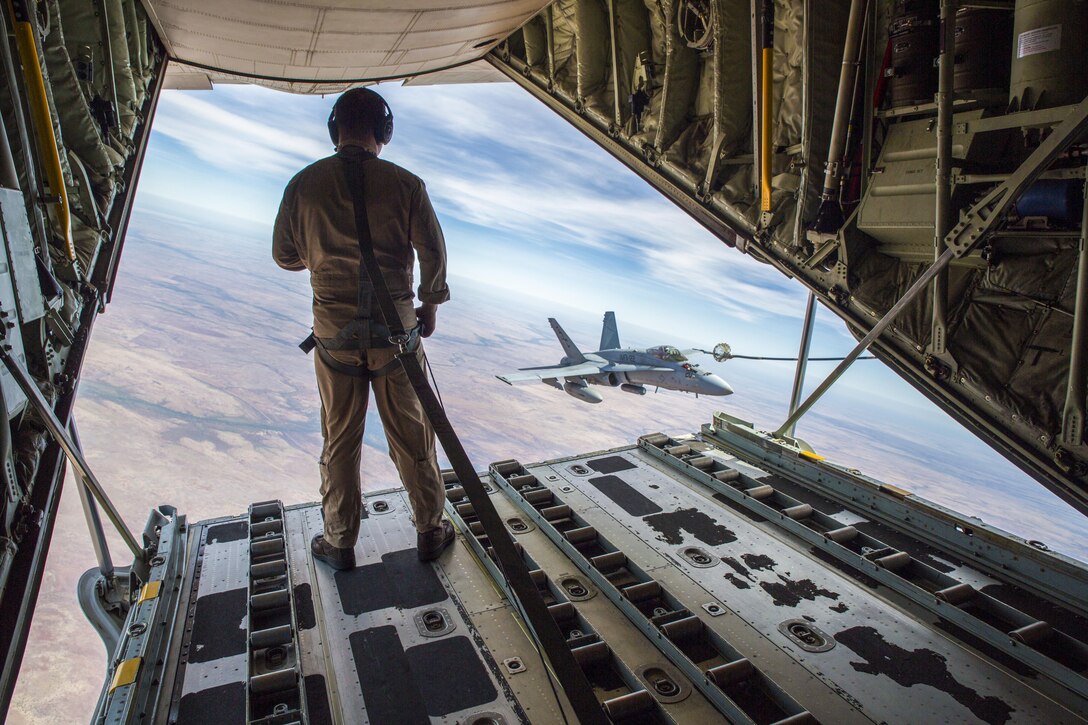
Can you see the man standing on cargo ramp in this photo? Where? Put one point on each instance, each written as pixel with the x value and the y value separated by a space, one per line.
pixel 315 230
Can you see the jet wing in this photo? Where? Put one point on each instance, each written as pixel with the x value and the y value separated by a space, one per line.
pixel 525 375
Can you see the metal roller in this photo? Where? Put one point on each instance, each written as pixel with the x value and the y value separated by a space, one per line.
pixel 261 511
pixel 643 591
pixel 455 494
pixel 264 547
pixel 760 492
pixel 476 528
pixel 727 475
pixel 629 705
pixel 683 629
pixel 842 535
pixel 268 569
pixel 798 512
pixel 591 654
pixel 540 579
pixel 449 477
pixel 731 673
pixel 522 480
pixel 269 600
pixel 263 528
pixel 271 637
pixel 582 535
pixel 610 561
pixel 654 439
pixel 554 513
pixel 700 462
pixel 956 594
pixel 465 509
pixel 894 562
pixel 562 612
pixel 273 681
pixel 507 467
pixel 1032 634
pixel 538 495
pixel 678 450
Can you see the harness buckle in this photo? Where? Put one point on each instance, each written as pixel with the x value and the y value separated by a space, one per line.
pixel 400 342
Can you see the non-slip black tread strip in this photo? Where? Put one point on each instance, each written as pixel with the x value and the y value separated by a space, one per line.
pixel 225 704
pixel 228 532
pixel 610 464
pixel 625 495
pixel 572 680
pixel 216 626
pixel 432 679
pixel 399 580
pixel 317 700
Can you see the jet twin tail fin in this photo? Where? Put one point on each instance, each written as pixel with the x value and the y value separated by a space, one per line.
pixel 570 350
pixel 610 335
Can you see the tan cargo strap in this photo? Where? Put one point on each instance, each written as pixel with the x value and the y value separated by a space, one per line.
pixel 572 679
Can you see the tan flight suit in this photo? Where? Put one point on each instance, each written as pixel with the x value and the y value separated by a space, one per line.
pixel 315 230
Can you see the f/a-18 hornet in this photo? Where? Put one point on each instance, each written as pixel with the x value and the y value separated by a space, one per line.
pixel 628 369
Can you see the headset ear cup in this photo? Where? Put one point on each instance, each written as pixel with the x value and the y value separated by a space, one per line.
pixel 334 130
pixel 383 134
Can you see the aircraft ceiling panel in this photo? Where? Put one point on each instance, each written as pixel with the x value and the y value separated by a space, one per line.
pixel 318 46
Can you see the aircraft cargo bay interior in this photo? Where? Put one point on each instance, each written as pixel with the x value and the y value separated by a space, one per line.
pixel 915 167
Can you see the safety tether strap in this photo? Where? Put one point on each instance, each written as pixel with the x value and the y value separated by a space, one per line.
pixel 571 678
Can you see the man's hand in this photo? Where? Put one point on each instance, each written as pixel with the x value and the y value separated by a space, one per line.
pixel 426 316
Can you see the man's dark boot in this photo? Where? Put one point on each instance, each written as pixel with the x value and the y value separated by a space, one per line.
pixel 432 543
pixel 333 556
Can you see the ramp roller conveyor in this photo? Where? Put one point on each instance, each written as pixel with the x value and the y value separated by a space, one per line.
pixel 1036 643
pixel 735 685
pixel 627 700
pixel 274 693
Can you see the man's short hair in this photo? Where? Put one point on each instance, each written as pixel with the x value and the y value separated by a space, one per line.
pixel 361 110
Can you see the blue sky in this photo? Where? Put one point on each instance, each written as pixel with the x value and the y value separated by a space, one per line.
pixel 526 201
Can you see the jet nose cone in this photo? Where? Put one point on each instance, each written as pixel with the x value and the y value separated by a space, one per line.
pixel 717 386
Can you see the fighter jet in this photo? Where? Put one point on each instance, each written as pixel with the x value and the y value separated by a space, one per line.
pixel 628 369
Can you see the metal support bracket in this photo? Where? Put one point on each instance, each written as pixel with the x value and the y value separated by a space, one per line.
pixel 1073 418
pixel 983 217
pixel 915 289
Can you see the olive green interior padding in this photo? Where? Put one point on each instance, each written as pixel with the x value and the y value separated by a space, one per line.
pixel 77 78
pixel 123 76
pixel 591 21
pixel 1005 369
pixel 632 38
pixel 535 35
pixel 563 40
pixel 80 130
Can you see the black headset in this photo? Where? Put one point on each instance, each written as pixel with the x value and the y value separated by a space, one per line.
pixel 363 100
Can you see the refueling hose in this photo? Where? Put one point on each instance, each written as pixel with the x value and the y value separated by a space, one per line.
pixel 27 46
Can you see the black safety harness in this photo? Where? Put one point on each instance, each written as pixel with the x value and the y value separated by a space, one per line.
pixel 571 678
pixel 363 332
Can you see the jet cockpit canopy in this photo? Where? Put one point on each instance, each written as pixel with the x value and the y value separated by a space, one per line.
pixel 667 353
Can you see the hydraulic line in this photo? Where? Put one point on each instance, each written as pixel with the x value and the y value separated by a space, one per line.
pixel 766 104
pixel 49 152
